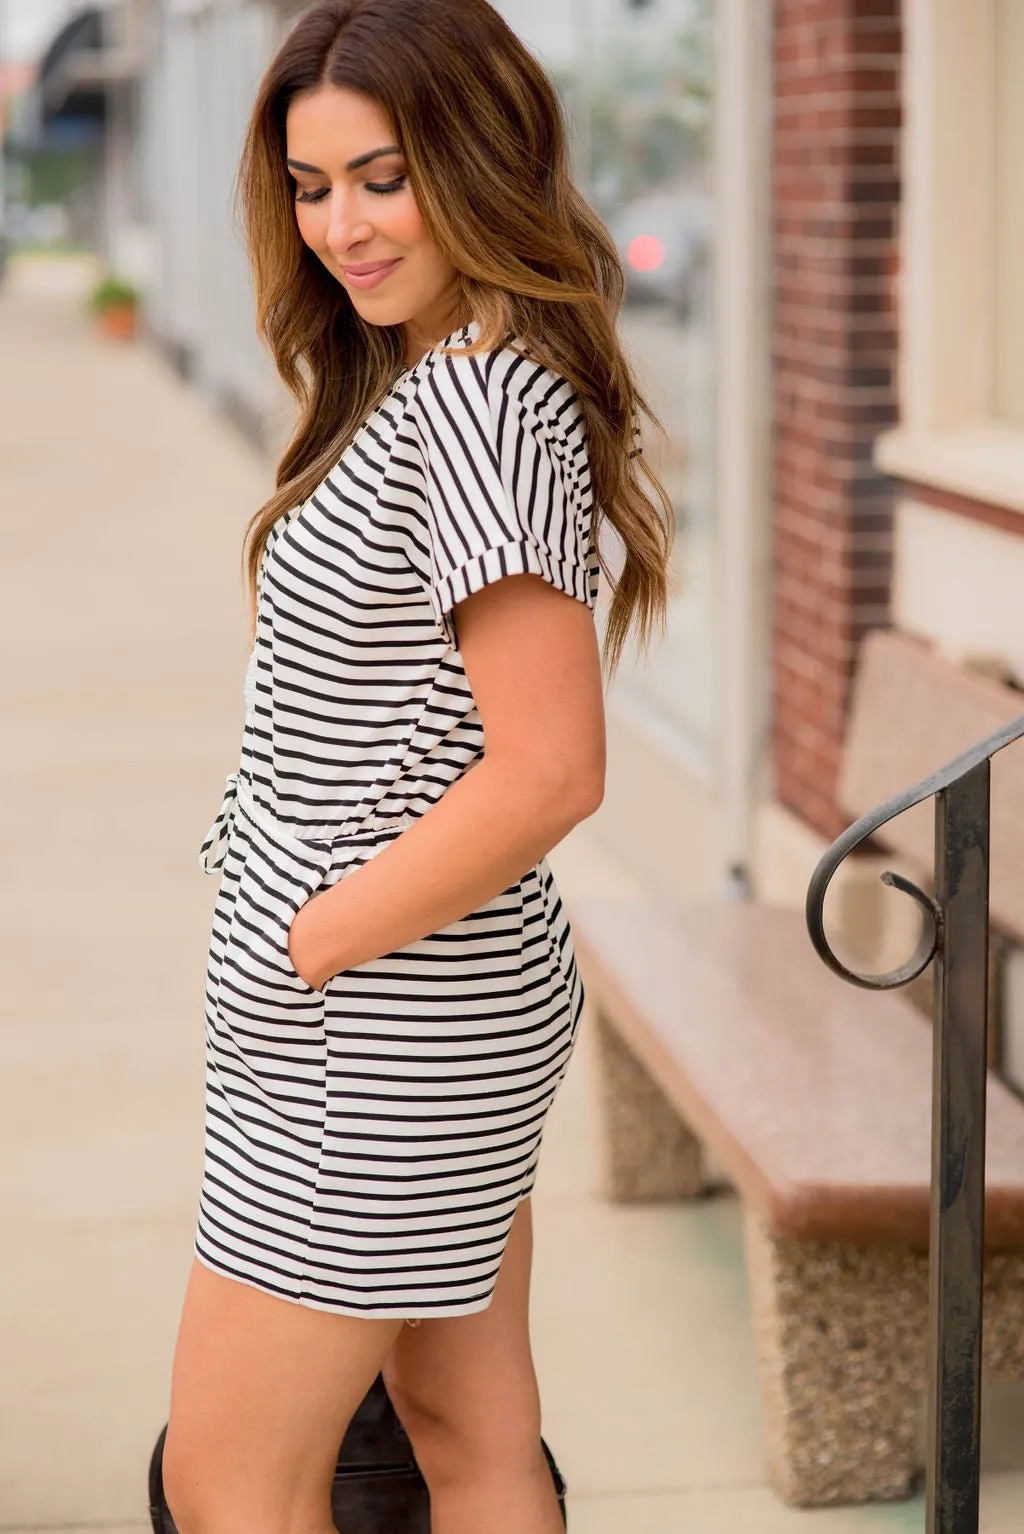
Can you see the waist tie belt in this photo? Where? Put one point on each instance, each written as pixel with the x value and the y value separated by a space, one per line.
pixel 215 843
pixel 237 796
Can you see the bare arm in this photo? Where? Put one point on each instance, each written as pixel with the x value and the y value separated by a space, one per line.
pixel 531 658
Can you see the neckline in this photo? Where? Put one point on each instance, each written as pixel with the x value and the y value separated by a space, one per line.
pixel 470 331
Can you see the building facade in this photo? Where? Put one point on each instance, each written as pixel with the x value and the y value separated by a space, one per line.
pixel 897 399
pixel 206 59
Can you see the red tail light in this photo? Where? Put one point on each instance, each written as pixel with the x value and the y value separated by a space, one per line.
pixel 645 253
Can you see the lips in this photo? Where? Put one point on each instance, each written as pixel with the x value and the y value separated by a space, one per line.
pixel 369 275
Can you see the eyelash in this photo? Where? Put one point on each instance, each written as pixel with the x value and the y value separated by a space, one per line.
pixel 381 191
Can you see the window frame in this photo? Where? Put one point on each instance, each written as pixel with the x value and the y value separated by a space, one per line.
pixel 949 436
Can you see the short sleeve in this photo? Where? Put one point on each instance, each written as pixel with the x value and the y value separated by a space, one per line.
pixel 506 479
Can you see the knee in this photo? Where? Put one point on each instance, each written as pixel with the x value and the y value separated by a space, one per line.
pixel 454 1440
pixel 204 1497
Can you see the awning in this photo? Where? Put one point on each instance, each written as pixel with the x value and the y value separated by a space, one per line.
pixel 79 67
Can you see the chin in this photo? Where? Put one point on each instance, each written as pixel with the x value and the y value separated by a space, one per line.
pixel 382 319
pixel 381 314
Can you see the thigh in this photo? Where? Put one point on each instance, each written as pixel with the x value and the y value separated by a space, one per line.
pixel 472 1377
pixel 262 1391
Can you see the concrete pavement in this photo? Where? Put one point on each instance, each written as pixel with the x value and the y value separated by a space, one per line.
pixel 124 500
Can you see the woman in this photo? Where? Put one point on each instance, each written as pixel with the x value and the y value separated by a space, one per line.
pixel 392 996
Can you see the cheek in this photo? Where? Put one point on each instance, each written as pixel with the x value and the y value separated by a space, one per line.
pixel 410 231
pixel 311 224
pixel 404 222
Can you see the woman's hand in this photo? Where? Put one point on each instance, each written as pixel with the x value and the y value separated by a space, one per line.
pixel 311 942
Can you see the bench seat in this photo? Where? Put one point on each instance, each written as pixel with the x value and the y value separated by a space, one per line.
pixel 719 1028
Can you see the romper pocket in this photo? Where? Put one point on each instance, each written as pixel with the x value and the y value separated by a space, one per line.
pixel 257 977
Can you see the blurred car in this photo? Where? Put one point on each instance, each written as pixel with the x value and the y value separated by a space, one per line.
pixel 663 240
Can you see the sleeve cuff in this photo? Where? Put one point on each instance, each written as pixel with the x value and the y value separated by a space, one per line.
pixel 520 557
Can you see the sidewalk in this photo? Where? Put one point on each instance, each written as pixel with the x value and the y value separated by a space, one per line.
pixel 125 501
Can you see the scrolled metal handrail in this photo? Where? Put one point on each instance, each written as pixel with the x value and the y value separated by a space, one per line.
pixel 865 827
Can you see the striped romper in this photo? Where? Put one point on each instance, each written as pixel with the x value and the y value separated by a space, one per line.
pixel 367 1146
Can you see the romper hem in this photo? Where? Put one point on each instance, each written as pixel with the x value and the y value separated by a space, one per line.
pixel 370 1313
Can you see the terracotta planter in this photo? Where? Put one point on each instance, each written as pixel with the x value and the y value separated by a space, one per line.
pixel 119 322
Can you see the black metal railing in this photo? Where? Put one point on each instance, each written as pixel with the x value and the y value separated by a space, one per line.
pixel 955 933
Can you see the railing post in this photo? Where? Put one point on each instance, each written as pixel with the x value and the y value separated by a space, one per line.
pixel 955 933
pixel 957 1241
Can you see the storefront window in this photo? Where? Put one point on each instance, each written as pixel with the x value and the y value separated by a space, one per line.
pixel 636 78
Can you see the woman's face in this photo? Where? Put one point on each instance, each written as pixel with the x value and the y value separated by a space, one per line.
pixel 356 211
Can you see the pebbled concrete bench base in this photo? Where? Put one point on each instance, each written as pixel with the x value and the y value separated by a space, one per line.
pixel 718 1029
pixel 650 1152
pixel 841 1341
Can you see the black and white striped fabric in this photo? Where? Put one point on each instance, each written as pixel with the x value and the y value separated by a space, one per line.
pixel 367 1146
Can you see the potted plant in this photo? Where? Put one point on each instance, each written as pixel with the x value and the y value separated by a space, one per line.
pixel 115 304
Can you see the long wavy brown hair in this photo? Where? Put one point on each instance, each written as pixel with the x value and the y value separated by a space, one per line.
pixel 483 135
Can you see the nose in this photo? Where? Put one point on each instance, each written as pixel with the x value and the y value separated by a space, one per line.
pixel 347 227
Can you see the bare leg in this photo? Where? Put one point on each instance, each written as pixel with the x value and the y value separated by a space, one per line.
pixel 261 1395
pixel 466 1392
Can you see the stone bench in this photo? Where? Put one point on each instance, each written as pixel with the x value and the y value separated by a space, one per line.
pixel 911 711
pixel 719 1029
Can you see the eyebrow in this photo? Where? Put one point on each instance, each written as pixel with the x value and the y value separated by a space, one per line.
pixel 356 164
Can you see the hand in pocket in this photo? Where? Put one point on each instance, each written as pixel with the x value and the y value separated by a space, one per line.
pixel 309 943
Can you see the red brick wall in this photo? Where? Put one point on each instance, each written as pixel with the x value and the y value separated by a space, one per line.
pixel 837 116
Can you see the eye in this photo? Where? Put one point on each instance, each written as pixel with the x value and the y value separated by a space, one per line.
pixel 317 196
pixel 384 188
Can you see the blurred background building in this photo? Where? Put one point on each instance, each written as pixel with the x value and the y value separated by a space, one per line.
pixel 820 206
